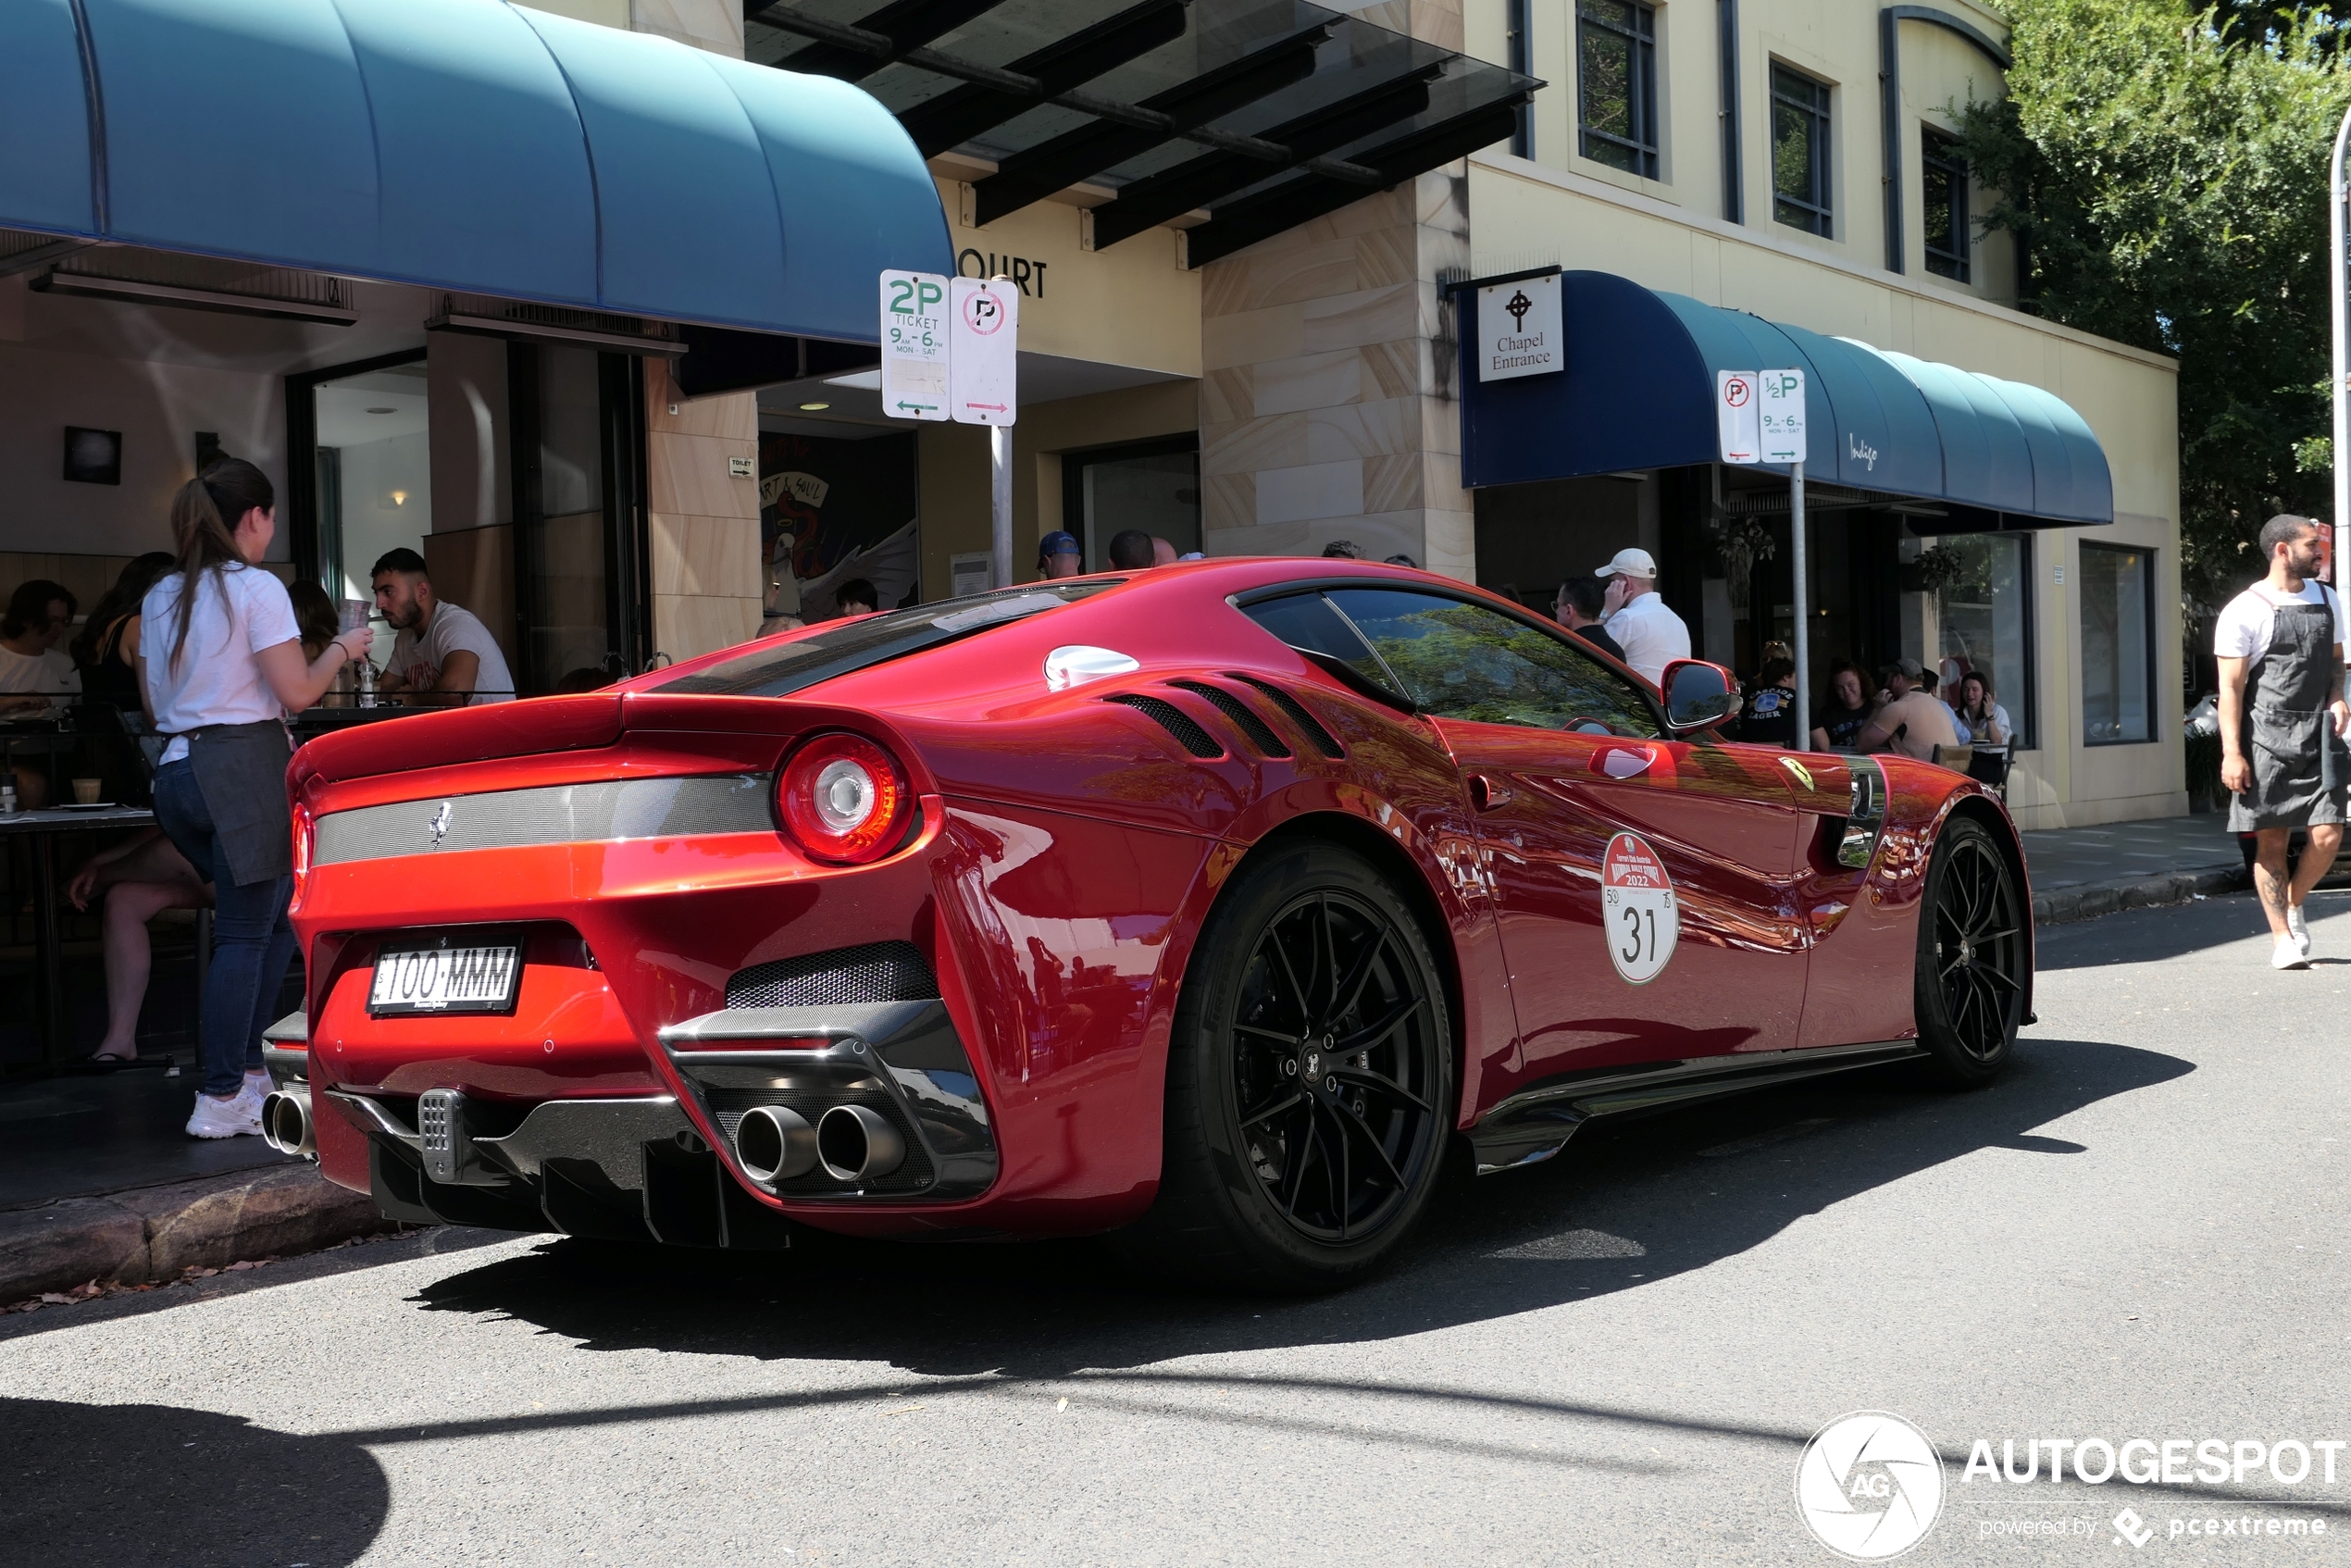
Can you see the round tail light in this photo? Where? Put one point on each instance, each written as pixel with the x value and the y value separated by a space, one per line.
pixel 844 799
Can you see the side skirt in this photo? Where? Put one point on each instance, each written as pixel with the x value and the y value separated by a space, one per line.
pixel 1535 1124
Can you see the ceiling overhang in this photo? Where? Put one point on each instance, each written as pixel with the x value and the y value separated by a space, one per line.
pixel 1261 114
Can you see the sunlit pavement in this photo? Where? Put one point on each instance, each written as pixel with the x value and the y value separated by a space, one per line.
pixel 1617 1357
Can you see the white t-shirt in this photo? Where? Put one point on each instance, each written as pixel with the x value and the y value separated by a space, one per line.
pixel 2243 631
pixel 48 671
pixel 419 660
pixel 239 611
pixel 1651 635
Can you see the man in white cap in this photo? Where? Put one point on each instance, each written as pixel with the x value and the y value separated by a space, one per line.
pixel 1651 635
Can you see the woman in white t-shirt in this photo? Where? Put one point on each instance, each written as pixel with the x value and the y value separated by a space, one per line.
pixel 219 681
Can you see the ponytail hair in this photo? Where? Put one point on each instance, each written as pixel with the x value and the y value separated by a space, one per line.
pixel 203 516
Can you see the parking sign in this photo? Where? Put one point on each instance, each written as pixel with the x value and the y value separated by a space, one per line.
pixel 914 345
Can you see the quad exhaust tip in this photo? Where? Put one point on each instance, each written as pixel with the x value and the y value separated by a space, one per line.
pixel 774 1143
pixel 856 1144
pixel 285 1122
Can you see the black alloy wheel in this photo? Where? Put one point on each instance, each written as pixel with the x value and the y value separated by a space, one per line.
pixel 1310 1080
pixel 1975 956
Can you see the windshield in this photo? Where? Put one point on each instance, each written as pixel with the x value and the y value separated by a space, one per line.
pixel 846 646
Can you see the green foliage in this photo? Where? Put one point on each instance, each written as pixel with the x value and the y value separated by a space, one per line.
pixel 2166 175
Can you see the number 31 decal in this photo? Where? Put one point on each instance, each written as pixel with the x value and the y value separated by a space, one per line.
pixel 1640 916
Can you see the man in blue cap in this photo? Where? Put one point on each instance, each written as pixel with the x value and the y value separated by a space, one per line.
pixel 1058 556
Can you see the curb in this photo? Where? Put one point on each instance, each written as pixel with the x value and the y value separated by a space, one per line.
pixel 2091 900
pixel 155 1233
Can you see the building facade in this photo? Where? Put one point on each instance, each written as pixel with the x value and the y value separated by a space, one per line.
pixel 1239 231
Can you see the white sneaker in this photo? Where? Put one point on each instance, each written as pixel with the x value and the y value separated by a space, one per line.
pixel 2299 928
pixel 2287 954
pixel 226 1119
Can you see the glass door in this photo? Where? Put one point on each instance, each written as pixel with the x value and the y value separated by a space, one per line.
pixel 582 599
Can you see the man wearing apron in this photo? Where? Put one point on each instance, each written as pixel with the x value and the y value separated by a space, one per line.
pixel 2284 761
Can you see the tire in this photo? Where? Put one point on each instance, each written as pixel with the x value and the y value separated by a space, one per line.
pixel 1265 1185
pixel 1974 962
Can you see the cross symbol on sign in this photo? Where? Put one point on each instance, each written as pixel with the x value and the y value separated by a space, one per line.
pixel 1518 307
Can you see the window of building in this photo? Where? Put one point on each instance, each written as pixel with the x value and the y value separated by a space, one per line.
pixel 1975 615
pixel 1616 83
pixel 2118 644
pixel 1800 151
pixel 1945 171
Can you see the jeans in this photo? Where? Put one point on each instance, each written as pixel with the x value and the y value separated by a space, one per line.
pixel 252 943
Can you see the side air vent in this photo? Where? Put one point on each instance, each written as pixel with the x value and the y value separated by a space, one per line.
pixel 1260 734
pixel 1325 741
pixel 875 972
pixel 1173 719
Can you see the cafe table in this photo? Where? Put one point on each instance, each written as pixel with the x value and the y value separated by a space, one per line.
pixel 44 828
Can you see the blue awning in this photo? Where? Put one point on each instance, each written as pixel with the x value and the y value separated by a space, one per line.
pixel 463 145
pixel 1639 392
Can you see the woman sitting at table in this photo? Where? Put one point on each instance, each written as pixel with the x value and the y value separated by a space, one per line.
pixel 1985 718
pixel 106 655
pixel 220 661
pixel 142 877
pixel 1843 711
pixel 35 678
pixel 316 615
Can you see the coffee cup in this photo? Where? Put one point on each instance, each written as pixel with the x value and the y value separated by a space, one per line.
pixel 86 790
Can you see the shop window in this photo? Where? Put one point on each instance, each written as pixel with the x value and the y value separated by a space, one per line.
pixel 1153 486
pixel 1616 83
pixel 1975 612
pixel 1801 152
pixel 368 485
pixel 2118 645
pixel 1945 179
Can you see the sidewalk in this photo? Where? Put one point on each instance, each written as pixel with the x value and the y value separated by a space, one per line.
pixel 2081 872
pixel 97 1181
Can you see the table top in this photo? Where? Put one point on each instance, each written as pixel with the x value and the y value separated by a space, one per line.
pixel 61 819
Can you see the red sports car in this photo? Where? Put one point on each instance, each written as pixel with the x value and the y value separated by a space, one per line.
pixel 1217 906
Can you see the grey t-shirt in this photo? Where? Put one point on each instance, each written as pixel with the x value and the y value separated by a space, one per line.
pixel 454 630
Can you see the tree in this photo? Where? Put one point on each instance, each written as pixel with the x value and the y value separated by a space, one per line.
pixel 2165 174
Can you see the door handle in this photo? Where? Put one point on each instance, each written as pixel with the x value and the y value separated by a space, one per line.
pixel 1486 794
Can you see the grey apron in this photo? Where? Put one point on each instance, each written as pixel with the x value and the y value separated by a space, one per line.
pixel 2300 767
pixel 241 769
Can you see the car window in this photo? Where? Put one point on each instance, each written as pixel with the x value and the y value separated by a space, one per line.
pixel 1307 622
pixel 1464 660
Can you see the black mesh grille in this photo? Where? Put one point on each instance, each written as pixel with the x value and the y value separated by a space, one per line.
pixel 727 1105
pixel 1325 741
pixel 1261 735
pixel 1173 719
pixel 875 972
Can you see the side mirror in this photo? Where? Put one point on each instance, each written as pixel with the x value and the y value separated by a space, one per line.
pixel 1699 695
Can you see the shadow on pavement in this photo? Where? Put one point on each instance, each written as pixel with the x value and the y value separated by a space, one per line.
pixel 2150 936
pixel 1624 1205
pixel 104 1484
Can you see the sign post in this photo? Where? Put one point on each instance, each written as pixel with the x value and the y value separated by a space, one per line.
pixel 983 334
pixel 1781 405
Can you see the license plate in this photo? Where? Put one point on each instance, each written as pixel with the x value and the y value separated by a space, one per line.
pixel 450 974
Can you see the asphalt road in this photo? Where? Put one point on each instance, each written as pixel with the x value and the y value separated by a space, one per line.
pixel 1618 1357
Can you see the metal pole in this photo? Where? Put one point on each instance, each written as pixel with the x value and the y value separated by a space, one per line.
pixel 1801 646
pixel 1000 500
pixel 2336 311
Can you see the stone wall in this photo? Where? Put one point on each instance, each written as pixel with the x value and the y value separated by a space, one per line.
pixel 1330 407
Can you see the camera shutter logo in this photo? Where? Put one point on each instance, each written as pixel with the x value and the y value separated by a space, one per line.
pixel 1869 1486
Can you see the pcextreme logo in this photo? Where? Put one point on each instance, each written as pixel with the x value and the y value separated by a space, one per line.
pixel 1869 1486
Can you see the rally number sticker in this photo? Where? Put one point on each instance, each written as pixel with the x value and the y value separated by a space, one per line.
pixel 1641 918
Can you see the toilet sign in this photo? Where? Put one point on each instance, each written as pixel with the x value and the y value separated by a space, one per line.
pixel 914 345
pixel 983 332
pixel 1640 916
pixel 1735 423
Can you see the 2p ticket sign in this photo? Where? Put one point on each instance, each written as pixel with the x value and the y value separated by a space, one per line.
pixel 1640 915
pixel 949 348
pixel 914 345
